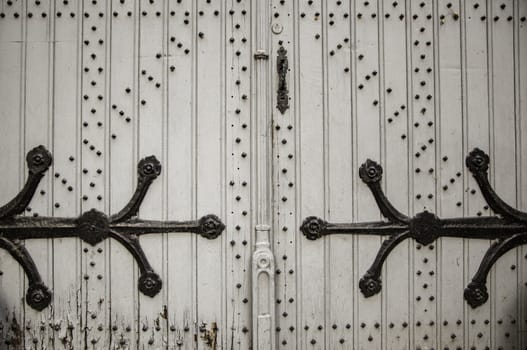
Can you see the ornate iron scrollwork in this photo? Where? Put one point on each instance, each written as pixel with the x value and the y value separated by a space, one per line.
pixel 508 227
pixel 38 162
pixel 282 65
pixel 92 227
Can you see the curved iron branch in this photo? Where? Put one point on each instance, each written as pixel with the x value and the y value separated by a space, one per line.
pixel 478 163
pixel 371 174
pixel 148 170
pixel 38 162
pixel 149 282
pixel 476 292
pixel 38 295
pixel 371 284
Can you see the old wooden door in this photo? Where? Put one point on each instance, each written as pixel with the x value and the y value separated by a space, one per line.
pixel 261 113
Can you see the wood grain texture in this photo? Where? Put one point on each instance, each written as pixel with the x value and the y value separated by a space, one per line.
pixel 412 84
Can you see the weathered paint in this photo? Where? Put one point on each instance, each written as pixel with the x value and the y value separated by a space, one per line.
pixel 365 79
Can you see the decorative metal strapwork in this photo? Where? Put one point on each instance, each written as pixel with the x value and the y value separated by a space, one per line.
pixel 508 228
pixel 92 227
pixel 282 94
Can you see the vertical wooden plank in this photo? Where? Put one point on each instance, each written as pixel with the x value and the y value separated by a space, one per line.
pixel 152 125
pixel 477 130
pixel 181 282
pixel 327 294
pixel 354 168
pixel 12 73
pixel 339 177
pixel 423 164
pixel 395 163
pixel 94 117
pixel 311 128
pixel 238 57
pixel 503 171
pixel 123 168
pixel 285 173
pixel 37 114
pixel 367 145
pixel 521 70
pixel 209 163
pixel 519 265
pixel 451 150
pixel 66 162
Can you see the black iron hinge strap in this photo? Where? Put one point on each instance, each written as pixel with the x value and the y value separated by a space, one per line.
pixel 92 227
pixel 509 228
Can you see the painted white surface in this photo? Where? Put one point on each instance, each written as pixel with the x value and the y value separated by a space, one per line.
pixel 353 86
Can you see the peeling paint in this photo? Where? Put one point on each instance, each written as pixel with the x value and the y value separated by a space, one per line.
pixel 65 335
pixel 14 334
pixel 209 336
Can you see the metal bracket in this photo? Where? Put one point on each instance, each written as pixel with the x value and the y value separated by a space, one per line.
pixel 509 228
pixel 282 65
pixel 92 227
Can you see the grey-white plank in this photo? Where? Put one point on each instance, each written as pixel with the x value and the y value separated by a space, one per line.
pixel 152 120
pixel 367 144
pixel 238 159
pixel 122 131
pixel 181 259
pixel 423 100
pixel 209 113
pixel 521 105
pixel 394 71
pixel 66 143
pixel 285 174
pixel 12 73
pixel 94 157
pixel 339 277
pixel 311 259
pixel 476 101
pixel 504 293
pixel 37 96
pixel 451 153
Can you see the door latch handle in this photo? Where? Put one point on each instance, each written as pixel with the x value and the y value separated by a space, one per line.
pixel 282 66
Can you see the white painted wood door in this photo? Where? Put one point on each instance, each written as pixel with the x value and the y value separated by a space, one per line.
pixel 412 84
